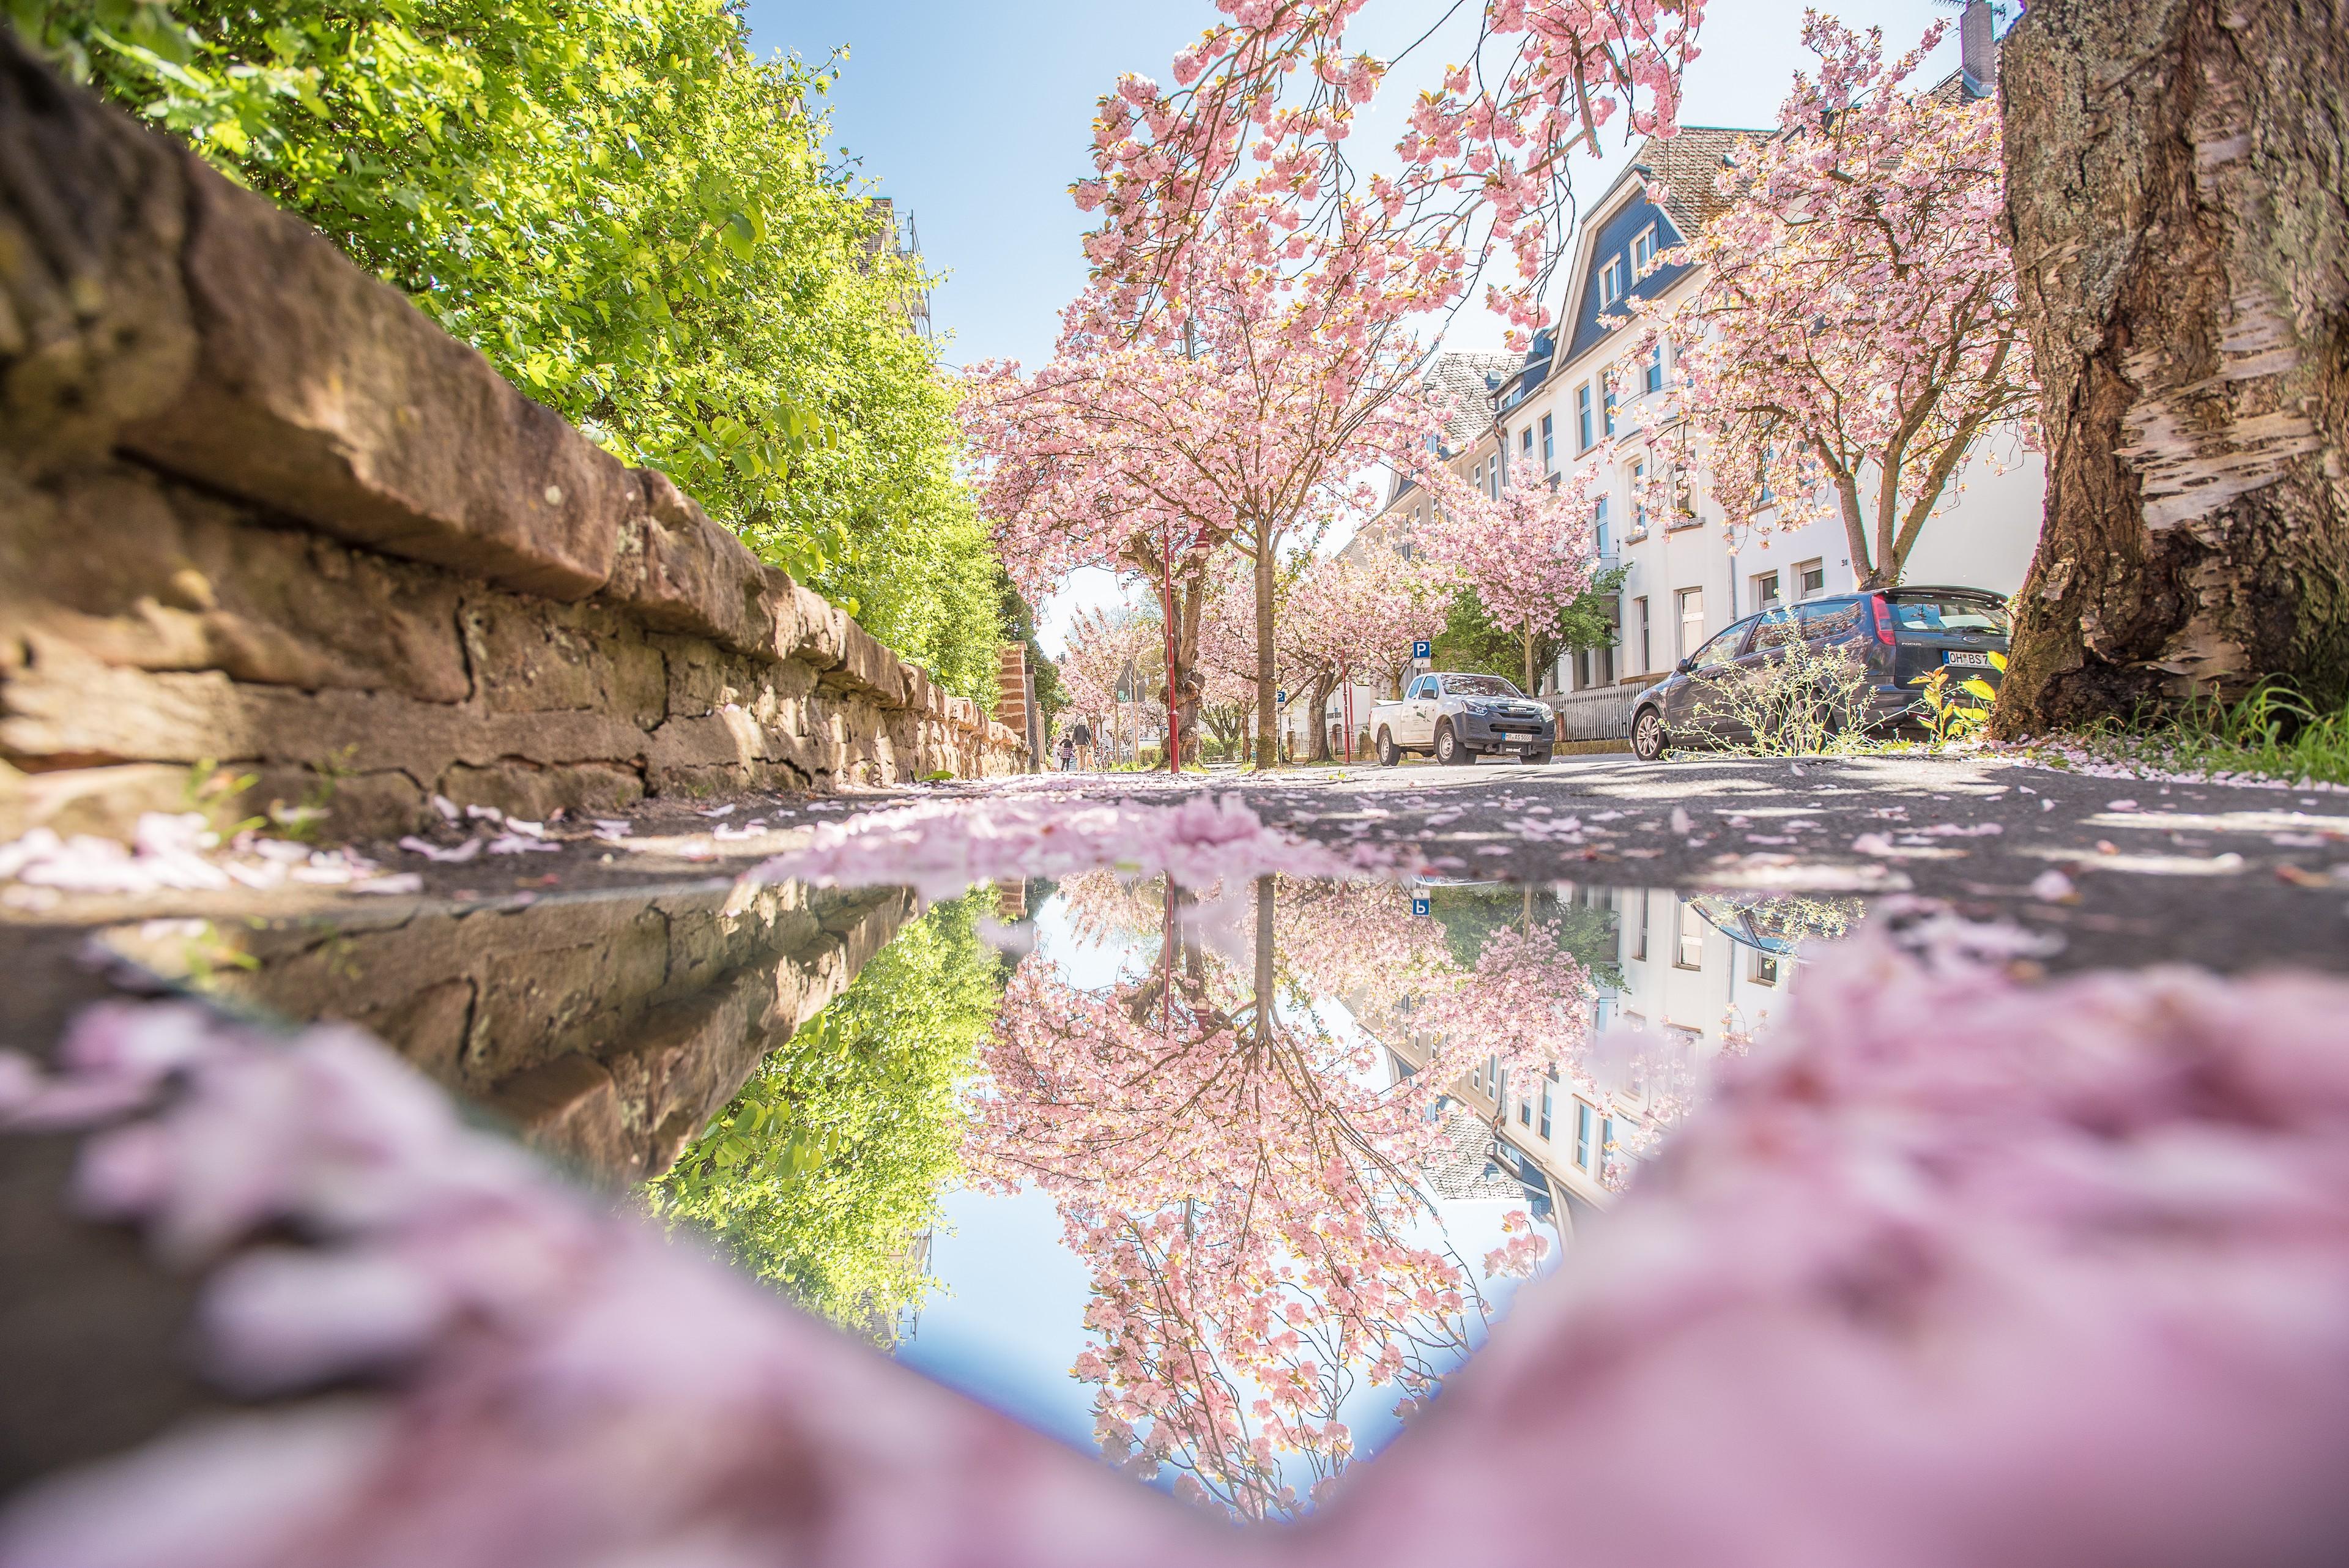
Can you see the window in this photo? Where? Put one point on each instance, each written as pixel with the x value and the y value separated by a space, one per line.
pixel 1611 405
pixel 1825 618
pixel 1593 667
pixel 1525 1112
pixel 1652 375
pixel 1582 1130
pixel 1725 647
pixel 1948 612
pixel 1643 252
pixel 1549 444
pixel 1692 603
pixel 1549 1087
pixel 1777 629
pixel 1526 442
pixel 1599 525
pixel 1422 689
pixel 1610 282
pixel 1647 647
pixel 1688 935
pixel 1813 578
pixel 1640 498
pixel 1639 926
pixel 1765 591
pixel 1582 437
pixel 1605 1141
pixel 1762 968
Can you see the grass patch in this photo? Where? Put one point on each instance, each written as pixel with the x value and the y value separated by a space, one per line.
pixel 2274 733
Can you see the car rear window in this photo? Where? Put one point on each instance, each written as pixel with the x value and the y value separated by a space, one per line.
pixel 1828 617
pixel 1948 612
pixel 1479 685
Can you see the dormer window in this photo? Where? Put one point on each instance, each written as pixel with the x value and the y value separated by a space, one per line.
pixel 1610 282
pixel 1643 252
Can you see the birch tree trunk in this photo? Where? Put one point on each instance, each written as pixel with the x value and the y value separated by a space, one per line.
pixel 2176 172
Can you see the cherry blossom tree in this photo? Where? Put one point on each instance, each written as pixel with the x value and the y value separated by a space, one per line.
pixel 1527 554
pixel 1264 104
pixel 1102 647
pixel 1243 412
pixel 1350 613
pixel 1241 1186
pixel 1856 338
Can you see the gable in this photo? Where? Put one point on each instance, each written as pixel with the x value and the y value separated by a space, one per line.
pixel 1614 240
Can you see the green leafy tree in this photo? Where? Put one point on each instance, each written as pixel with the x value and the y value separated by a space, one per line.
pixel 1472 641
pixel 632 215
pixel 824 1173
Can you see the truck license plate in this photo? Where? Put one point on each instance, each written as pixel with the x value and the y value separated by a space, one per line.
pixel 1970 660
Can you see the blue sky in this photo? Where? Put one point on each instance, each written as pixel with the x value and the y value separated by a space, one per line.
pixel 976 117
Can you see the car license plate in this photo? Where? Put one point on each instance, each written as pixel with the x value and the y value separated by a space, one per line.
pixel 1971 661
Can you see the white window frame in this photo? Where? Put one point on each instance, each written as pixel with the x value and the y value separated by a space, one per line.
pixel 1612 280
pixel 1643 252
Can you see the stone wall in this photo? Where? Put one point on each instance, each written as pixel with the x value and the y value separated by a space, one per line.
pixel 257 510
pixel 606 1029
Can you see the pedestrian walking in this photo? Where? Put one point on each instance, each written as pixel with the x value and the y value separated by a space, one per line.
pixel 1082 735
pixel 1068 752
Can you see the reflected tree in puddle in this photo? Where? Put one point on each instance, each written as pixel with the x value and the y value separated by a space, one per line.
pixel 824 1176
pixel 1241 1174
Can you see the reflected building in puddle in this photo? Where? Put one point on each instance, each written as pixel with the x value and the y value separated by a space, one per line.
pixel 1674 980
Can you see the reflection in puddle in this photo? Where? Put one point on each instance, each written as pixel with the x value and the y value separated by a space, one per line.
pixel 1221 1185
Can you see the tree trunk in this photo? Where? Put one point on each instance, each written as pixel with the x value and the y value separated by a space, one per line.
pixel 1264 970
pixel 2175 172
pixel 1323 686
pixel 1193 600
pixel 1529 656
pixel 1267 746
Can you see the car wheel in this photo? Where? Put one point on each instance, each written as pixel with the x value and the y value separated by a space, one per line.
pixel 1648 737
pixel 1389 753
pixel 1447 744
pixel 1537 756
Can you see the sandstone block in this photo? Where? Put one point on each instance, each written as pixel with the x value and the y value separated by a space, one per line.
pixel 534 793
pixel 140 572
pixel 679 571
pixel 532 657
pixel 94 319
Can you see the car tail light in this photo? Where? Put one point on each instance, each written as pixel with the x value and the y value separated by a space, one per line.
pixel 1883 607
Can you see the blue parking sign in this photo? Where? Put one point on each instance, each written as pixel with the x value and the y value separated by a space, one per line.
pixel 1280 694
pixel 1419 906
pixel 1422 649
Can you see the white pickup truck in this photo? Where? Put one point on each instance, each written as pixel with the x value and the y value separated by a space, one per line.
pixel 1454 717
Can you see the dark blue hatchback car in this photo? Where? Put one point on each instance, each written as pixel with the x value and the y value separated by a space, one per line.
pixel 1897 637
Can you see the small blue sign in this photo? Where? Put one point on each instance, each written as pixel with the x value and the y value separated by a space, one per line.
pixel 1280 694
pixel 1422 649
pixel 1419 906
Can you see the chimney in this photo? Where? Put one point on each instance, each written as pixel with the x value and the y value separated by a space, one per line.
pixel 1978 49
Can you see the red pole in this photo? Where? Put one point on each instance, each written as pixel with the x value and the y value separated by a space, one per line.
pixel 1346 678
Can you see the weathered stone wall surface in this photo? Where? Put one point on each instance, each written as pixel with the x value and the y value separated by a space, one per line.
pixel 256 509
pixel 607 1030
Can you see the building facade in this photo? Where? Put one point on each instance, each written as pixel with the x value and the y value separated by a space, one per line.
pixel 1585 396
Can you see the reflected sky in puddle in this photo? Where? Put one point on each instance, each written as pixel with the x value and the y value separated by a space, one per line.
pixel 1219 1186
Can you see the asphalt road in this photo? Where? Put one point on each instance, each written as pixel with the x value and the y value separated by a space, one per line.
pixel 2231 877
pixel 2120 872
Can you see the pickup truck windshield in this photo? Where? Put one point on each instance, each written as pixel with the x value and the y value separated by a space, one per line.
pixel 1478 686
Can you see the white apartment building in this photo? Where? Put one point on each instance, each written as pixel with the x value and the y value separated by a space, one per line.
pixel 1689 576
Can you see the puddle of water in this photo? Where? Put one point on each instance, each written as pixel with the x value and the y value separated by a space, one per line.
pixel 1218 1185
